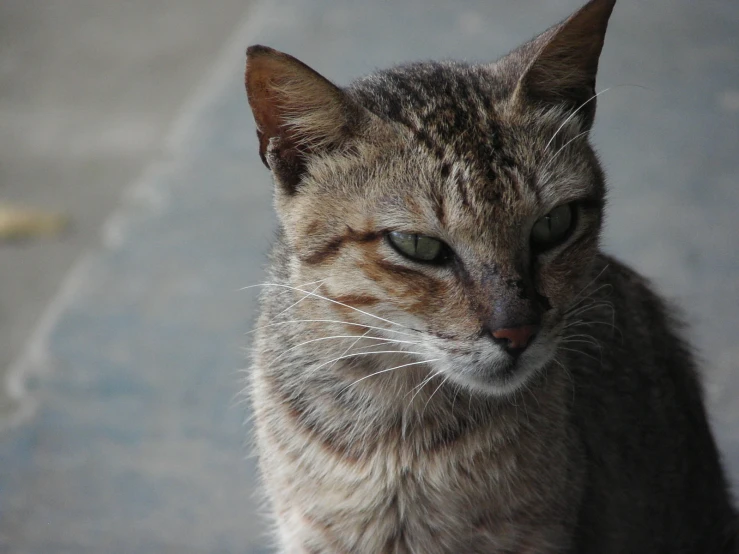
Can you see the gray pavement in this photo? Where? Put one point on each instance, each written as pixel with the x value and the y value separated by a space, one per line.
pixel 88 90
pixel 133 438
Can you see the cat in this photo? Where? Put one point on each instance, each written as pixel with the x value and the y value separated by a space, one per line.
pixel 445 360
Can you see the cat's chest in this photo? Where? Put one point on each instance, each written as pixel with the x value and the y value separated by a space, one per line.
pixel 471 495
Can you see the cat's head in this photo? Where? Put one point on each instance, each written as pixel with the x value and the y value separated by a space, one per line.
pixel 460 201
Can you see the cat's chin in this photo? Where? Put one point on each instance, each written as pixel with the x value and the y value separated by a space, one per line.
pixel 500 377
pixel 496 383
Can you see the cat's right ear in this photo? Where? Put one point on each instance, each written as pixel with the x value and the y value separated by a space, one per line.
pixel 298 113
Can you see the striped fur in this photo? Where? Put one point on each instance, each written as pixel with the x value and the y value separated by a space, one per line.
pixel 387 419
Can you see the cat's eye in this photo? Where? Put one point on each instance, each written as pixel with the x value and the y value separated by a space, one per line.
pixel 419 248
pixel 553 228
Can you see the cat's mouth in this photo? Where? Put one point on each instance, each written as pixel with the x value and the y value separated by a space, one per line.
pixel 485 367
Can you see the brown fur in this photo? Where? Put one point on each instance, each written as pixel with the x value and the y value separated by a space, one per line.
pixel 387 418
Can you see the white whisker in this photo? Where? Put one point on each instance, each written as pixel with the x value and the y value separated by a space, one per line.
pixel 297 302
pixel 363 335
pixel 580 107
pixel 456 393
pixel 443 381
pixel 330 321
pixel 341 337
pixel 419 388
pixel 580 352
pixel 380 342
pixel 324 364
pixel 582 336
pixel 312 283
pixel 593 280
pixel 566 144
pixel 387 370
pixel 280 285
pixel 588 307
pixel 581 341
pixel 582 322
pixel 589 296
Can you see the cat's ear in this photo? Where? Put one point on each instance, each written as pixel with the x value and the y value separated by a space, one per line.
pixel 298 113
pixel 565 61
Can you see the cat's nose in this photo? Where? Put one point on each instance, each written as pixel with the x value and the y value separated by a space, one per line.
pixel 515 339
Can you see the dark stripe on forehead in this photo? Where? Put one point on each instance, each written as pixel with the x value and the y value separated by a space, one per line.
pixel 462 190
pixel 431 100
pixel 423 136
pixel 438 200
pixel 449 110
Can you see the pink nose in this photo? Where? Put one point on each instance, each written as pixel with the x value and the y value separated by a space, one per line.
pixel 516 338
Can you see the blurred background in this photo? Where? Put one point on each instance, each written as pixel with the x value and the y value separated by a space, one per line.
pixel 133 207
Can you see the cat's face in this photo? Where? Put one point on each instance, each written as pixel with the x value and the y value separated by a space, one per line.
pixel 459 205
pixel 489 273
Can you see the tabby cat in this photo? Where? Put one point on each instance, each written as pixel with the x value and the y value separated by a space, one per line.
pixel 445 361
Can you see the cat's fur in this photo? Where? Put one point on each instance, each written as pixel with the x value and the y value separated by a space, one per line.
pixel 594 440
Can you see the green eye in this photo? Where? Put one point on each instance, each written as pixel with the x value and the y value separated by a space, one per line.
pixel 419 247
pixel 553 228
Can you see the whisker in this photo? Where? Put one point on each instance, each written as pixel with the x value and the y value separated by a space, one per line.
pixel 580 107
pixel 312 282
pixel 582 298
pixel 426 380
pixel 298 302
pixel 581 336
pixel 363 335
pixel 585 323
pixel 523 403
pixel 380 343
pixel 240 397
pixel 419 388
pixel 581 322
pixel 581 341
pixel 592 297
pixel 580 352
pixel 456 393
pixel 611 324
pixel 300 285
pixel 387 370
pixel 578 336
pixel 513 402
pixel 340 337
pixel 280 285
pixel 587 307
pixel 329 321
pixel 433 393
pixel 569 376
pixel 593 280
pixel 566 144
pixel 324 364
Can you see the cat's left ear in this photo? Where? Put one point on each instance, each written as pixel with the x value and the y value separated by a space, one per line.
pixel 298 113
pixel 565 61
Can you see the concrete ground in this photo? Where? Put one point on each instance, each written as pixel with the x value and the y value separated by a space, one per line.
pixel 127 430
pixel 88 90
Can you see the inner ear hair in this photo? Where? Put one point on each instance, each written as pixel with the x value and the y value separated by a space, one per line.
pixel 564 63
pixel 297 111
